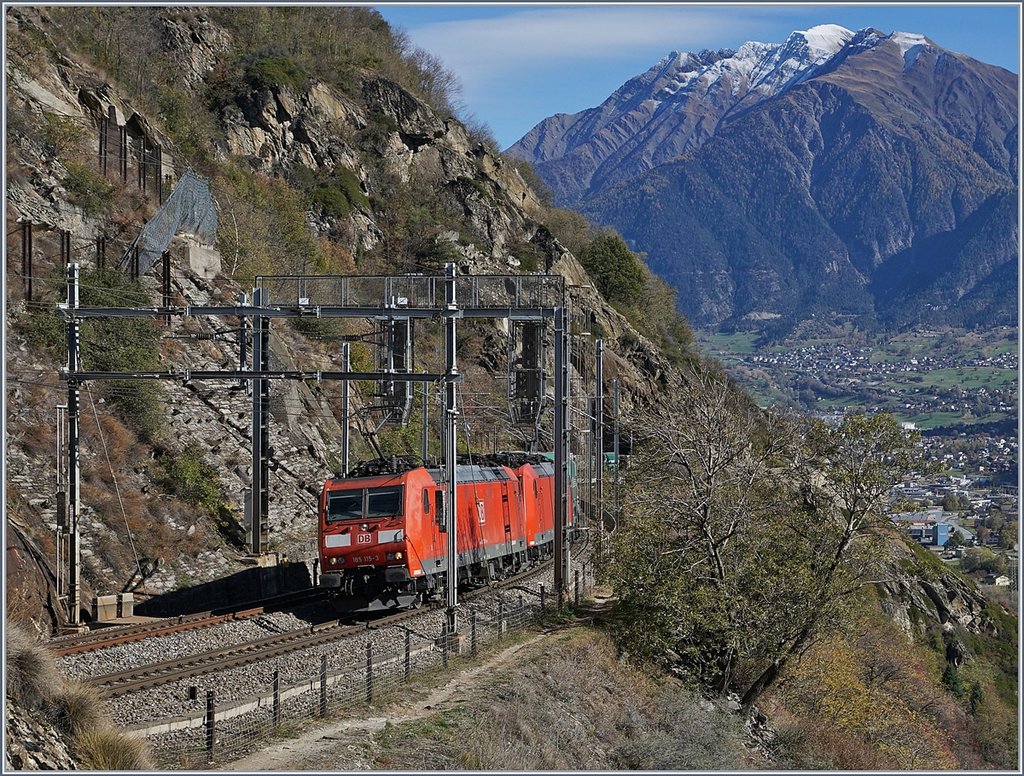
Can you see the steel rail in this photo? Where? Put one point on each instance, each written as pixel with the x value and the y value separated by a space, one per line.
pixel 156 674
pixel 115 636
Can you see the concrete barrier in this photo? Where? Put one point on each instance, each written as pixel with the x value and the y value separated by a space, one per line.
pixel 104 608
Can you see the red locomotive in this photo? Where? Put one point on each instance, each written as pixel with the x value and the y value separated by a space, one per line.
pixel 382 543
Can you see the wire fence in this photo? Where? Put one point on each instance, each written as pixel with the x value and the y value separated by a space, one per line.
pixel 341 683
pixel 498 292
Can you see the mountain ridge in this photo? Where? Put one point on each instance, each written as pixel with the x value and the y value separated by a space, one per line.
pixel 885 142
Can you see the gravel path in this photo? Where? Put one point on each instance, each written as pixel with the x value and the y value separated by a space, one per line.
pixel 347 743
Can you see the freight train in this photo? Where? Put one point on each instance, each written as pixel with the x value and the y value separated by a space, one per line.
pixel 382 538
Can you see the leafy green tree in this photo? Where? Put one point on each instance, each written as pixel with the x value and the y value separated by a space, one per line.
pixel 848 472
pixel 571 228
pixel 616 271
pixel 983 559
pixel 693 550
pixel 1008 536
pixel 951 681
pixel 975 698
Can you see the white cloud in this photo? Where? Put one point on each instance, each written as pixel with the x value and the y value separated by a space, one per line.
pixel 480 50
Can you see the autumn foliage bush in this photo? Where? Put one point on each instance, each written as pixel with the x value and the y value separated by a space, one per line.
pixel 868 697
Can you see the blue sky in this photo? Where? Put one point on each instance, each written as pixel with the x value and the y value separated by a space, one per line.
pixel 520 63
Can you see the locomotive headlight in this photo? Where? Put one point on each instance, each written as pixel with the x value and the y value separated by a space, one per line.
pixel 364 527
pixel 391 556
pixel 334 560
pixel 398 556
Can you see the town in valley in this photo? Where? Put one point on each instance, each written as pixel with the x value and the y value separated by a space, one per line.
pixel 957 388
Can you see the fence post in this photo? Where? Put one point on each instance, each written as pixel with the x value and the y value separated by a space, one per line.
pixel 576 583
pixel 444 645
pixel 166 284
pixel 369 671
pixel 211 725
pixel 142 163
pixel 26 258
pixel 542 599
pixel 103 145
pixel 408 654
pixel 122 152
pixel 277 699
pixel 65 247
pixel 472 632
pixel 501 619
pixel 323 685
pixel 159 176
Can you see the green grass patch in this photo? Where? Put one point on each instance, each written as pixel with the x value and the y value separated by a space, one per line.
pixel 193 480
pixel 929 420
pixel 339 194
pixel 738 343
pixel 968 378
pixel 88 189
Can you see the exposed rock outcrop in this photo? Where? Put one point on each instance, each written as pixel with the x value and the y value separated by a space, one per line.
pixel 33 744
pixel 918 599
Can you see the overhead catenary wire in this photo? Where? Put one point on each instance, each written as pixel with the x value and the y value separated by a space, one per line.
pixel 113 477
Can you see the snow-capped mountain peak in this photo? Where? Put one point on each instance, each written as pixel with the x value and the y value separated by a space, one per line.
pixel 767 68
pixel 825 40
pixel 678 104
pixel 911 45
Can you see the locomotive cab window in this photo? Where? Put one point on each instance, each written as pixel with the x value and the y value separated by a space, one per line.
pixel 384 502
pixel 345 505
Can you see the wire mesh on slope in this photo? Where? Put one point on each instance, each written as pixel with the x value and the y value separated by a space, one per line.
pixel 189 207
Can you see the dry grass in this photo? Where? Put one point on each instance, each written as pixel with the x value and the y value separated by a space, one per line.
pixel 803 744
pixel 31 672
pixel 106 749
pixel 76 708
pixel 569 705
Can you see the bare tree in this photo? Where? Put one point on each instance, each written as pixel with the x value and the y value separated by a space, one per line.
pixel 748 532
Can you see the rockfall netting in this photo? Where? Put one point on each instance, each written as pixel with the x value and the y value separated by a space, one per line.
pixel 189 208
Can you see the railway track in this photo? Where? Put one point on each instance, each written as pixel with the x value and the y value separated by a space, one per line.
pixel 156 674
pixel 113 636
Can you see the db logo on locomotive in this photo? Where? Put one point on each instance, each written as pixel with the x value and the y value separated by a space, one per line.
pixel 364 539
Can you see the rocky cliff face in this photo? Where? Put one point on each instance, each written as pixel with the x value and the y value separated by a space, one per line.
pixel 385 139
pixel 33 744
pixel 919 597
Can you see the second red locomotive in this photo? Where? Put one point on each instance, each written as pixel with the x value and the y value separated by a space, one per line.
pixel 382 539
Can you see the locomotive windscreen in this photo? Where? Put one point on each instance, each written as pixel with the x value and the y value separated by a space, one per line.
pixel 347 505
pixel 364 503
pixel 384 502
